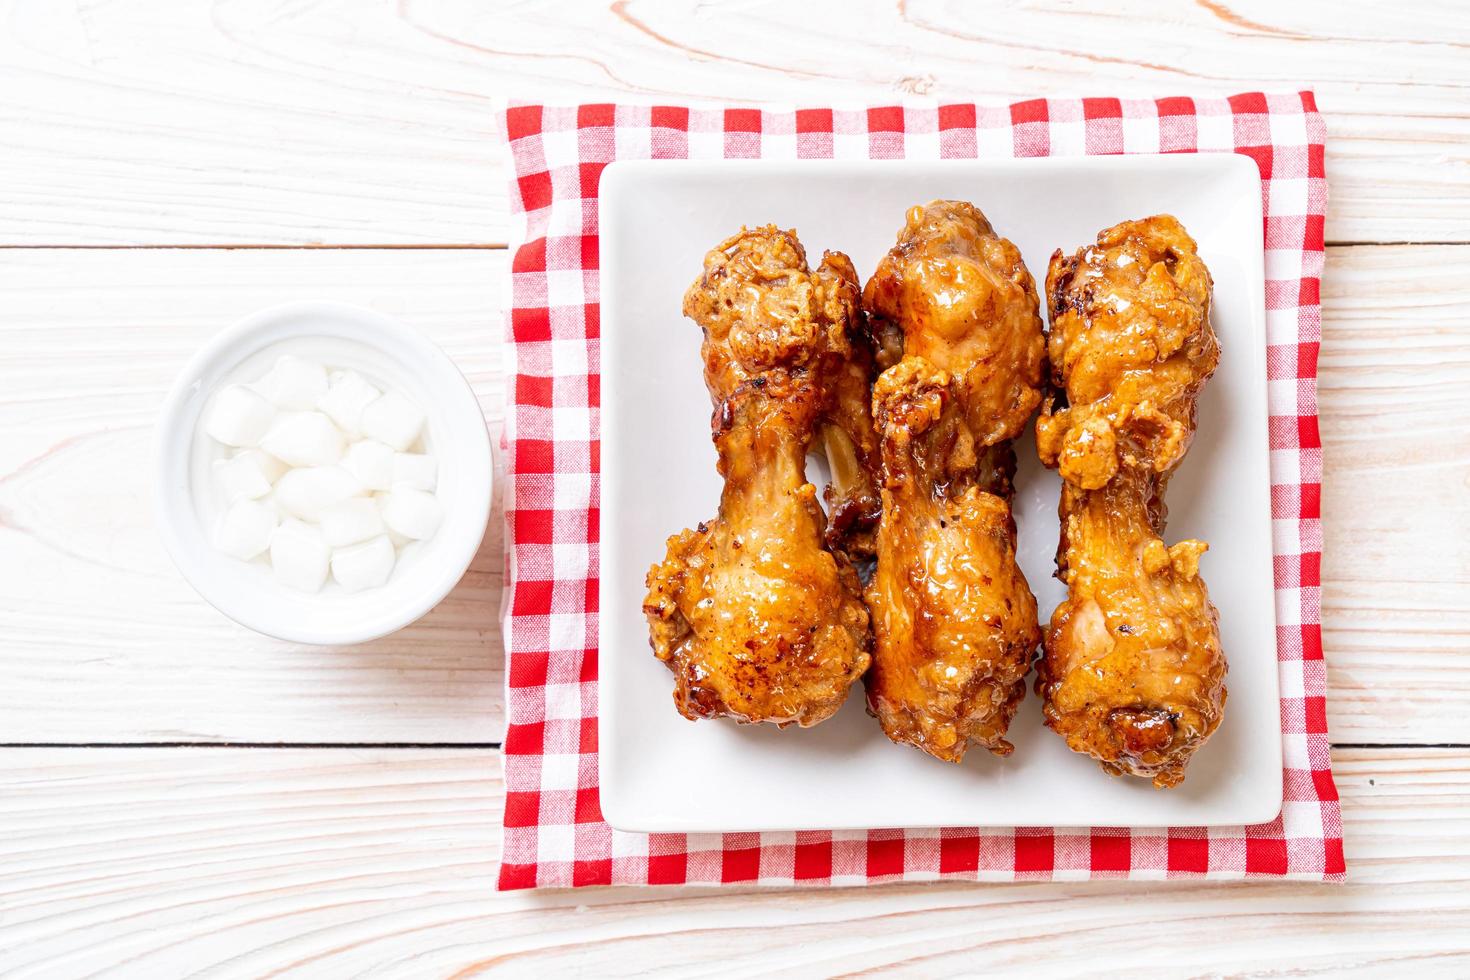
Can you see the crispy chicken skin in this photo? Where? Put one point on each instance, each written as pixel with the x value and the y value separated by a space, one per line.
pixel 756 619
pixel 954 293
pixel 1133 674
pixel 761 308
pixel 954 620
pixel 849 440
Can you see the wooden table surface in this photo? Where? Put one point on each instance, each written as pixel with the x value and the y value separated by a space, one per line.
pixel 180 795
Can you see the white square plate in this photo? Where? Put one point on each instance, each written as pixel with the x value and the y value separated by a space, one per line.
pixel 660 772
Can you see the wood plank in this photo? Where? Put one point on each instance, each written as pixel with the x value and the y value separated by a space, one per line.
pixel 94 614
pixel 1394 392
pixel 290 122
pixel 222 861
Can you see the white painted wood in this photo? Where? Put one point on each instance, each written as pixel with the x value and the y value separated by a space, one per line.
pixel 93 613
pixel 1394 391
pixel 103 640
pixel 329 121
pixel 342 122
pixel 235 862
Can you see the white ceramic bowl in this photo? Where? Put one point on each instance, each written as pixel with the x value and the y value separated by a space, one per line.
pixel 381 348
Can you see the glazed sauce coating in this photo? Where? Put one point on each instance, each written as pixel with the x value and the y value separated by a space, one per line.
pixel 1133 673
pixel 754 616
pixel 955 319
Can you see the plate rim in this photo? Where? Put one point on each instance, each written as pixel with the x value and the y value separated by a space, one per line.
pixel 615 182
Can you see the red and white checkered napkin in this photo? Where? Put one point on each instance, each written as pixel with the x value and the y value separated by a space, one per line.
pixel 554 832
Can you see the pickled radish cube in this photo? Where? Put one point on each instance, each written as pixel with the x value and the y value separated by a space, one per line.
pixel 304 439
pixel 239 416
pixel 412 513
pixel 371 462
pixel 346 397
pixel 299 556
pixel 399 540
pixel 273 502
pixel 393 419
pixel 294 383
pixel 240 478
pixel 270 467
pixel 307 492
pixel 415 470
pixel 245 529
pixel 365 565
pixel 351 521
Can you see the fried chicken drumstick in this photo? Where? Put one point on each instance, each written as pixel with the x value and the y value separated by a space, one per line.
pixel 756 619
pixel 953 617
pixel 1133 674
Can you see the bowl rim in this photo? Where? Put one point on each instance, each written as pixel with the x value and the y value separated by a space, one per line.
pixel 173 505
